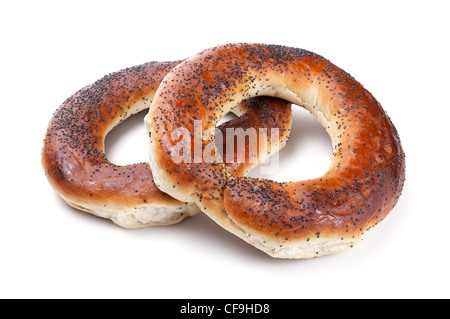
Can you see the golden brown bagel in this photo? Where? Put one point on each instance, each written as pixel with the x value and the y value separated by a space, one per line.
pixel 76 166
pixel 287 220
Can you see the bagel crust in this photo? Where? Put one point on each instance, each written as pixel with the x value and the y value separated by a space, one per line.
pixel 298 220
pixel 76 166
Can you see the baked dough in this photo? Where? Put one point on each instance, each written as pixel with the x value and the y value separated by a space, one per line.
pixel 75 164
pixel 302 219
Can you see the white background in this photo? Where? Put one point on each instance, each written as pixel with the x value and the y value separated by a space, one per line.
pixel 399 50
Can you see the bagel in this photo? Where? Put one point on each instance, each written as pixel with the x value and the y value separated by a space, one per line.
pixel 76 166
pixel 297 220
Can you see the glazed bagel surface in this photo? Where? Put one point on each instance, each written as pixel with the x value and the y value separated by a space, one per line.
pixel 75 163
pixel 302 219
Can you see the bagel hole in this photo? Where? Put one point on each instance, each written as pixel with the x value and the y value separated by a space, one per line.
pixel 127 143
pixel 227 117
pixel 307 153
pixel 219 143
